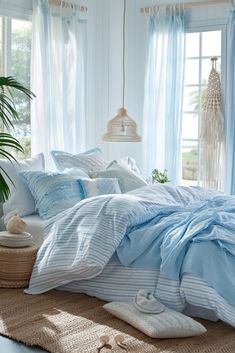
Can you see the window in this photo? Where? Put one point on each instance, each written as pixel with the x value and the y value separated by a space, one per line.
pixel 200 47
pixel 15 56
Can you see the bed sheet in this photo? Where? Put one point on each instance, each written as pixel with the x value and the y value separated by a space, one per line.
pixel 121 283
pixel 118 282
pixel 35 226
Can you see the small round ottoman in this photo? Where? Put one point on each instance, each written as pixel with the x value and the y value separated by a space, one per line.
pixel 16 265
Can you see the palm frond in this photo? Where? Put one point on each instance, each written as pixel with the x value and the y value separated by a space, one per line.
pixel 7 140
pixel 8 112
pixel 9 82
pixel 8 115
pixel 4 188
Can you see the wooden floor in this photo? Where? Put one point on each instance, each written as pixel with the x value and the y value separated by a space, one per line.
pixel 9 346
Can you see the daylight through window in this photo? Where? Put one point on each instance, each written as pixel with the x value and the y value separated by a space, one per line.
pixel 200 47
pixel 15 56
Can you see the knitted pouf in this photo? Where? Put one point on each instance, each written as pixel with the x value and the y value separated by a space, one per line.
pixel 16 265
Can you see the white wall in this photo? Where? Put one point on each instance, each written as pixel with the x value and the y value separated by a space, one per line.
pixel 106 53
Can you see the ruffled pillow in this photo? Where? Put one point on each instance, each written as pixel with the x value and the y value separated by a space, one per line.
pixel 53 192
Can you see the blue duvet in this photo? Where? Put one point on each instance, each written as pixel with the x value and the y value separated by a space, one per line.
pixel 176 229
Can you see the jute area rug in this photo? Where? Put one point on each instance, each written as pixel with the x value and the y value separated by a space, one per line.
pixel 62 322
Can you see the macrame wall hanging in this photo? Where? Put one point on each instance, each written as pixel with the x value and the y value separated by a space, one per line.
pixel 212 133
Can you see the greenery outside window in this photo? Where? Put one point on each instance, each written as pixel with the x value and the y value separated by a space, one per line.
pixel 15 56
pixel 200 47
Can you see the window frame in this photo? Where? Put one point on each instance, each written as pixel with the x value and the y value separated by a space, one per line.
pixel 196 28
pixel 6 56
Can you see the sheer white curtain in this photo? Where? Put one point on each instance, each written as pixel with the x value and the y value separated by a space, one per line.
pixel 230 107
pixel 164 91
pixel 58 79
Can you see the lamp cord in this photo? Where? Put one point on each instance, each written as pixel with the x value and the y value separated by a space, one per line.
pixel 124 54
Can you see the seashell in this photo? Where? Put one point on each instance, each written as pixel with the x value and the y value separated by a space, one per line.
pixel 104 339
pixel 16 225
pixel 119 338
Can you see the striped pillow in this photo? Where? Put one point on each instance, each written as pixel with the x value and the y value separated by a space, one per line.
pixel 87 161
pixel 53 192
pixel 100 186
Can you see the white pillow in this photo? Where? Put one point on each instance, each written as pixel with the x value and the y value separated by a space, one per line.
pixel 127 179
pixel 126 162
pixel 76 172
pixel 167 324
pixel 21 201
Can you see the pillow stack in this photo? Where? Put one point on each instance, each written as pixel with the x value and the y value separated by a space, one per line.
pixel 49 193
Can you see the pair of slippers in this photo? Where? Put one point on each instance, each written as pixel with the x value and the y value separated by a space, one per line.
pixel 107 342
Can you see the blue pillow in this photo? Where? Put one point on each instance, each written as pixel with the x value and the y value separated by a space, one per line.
pixel 53 192
pixel 100 186
pixel 88 161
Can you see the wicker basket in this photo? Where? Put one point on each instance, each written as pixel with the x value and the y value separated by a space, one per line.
pixel 16 265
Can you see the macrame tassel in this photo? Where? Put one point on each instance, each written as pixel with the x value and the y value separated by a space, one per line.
pixel 211 135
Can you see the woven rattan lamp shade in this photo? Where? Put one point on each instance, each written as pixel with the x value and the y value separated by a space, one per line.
pixel 16 265
pixel 122 128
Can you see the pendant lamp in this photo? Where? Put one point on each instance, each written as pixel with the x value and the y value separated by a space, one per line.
pixel 122 128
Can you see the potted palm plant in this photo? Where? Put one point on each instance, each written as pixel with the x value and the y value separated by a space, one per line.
pixel 8 115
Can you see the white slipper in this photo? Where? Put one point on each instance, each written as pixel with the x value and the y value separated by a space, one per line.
pixel 147 303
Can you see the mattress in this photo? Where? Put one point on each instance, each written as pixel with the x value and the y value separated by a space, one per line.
pixel 35 226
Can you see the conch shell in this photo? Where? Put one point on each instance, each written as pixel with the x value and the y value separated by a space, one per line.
pixel 16 225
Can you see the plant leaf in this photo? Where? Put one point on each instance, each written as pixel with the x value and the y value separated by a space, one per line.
pixel 9 114
pixel 5 190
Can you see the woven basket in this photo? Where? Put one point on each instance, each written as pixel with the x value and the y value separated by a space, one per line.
pixel 16 265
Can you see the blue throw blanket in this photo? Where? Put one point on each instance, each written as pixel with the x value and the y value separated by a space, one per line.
pixel 154 227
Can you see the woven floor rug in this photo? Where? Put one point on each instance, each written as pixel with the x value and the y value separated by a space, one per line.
pixel 63 322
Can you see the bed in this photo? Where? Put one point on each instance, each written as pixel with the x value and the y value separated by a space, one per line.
pixel 117 280
pixel 177 242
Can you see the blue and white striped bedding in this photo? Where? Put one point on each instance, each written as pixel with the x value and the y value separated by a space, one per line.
pixel 120 283
pixel 152 230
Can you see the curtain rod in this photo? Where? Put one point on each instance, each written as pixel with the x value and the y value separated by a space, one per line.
pixel 68 4
pixel 151 9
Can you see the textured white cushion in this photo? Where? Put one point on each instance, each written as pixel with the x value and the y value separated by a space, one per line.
pixel 167 324
pixel 128 180
pixel 21 201
pixel 126 162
